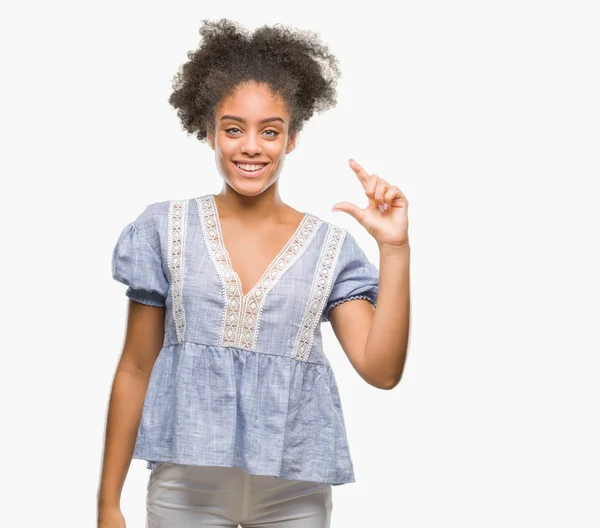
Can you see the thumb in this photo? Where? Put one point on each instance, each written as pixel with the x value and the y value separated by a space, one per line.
pixel 353 210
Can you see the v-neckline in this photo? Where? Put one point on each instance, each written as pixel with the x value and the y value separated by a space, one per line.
pixel 271 265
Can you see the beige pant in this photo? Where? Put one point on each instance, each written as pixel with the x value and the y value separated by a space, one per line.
pixel 182 496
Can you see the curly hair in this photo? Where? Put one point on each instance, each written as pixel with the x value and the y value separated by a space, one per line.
pixel 295 64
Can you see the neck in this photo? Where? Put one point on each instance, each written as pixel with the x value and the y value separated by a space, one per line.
pixel 267 204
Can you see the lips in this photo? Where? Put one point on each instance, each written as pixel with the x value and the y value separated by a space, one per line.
pixel 250 170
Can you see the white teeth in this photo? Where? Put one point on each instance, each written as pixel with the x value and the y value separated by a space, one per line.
pixel 250 168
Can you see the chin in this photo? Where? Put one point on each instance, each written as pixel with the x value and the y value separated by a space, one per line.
pixel 249 186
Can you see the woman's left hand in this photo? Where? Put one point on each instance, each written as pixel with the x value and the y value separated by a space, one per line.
pixel 386 216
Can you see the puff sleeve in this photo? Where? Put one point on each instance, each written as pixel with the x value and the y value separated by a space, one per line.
pixel 355 277
pixel 137 264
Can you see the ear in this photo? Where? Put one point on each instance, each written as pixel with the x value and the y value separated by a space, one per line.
pixel 291 143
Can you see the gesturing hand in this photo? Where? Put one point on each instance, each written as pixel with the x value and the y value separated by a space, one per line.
pixel 386 215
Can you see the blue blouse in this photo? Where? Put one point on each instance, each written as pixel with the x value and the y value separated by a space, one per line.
pixel 242 380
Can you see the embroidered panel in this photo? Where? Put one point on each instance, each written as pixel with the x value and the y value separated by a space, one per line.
pixel 232 297
pixel 242 313
pixel 286 258
pixel 175 257
pixel 321 289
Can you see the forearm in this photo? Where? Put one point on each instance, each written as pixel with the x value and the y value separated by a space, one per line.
pixel 124 414
pixel 387 343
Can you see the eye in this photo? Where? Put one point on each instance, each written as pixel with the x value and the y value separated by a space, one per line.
pixel 273 133
pixel 232 130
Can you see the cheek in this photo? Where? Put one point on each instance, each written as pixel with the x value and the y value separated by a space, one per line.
pixel 223 150
pixel 277 149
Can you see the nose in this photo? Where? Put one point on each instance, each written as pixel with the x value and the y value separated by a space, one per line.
pixel 251 147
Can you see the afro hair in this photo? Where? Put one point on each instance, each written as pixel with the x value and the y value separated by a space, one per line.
pixel 295 64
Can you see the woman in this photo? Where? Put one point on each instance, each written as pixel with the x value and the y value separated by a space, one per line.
pixel 223 385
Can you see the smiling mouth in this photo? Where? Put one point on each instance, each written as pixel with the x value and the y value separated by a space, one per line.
pixel 250 169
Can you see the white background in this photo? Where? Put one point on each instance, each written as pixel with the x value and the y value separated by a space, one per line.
pixel 486 115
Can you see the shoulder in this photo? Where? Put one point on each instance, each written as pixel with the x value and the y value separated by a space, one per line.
pixel 154 217
pixel 328 227
pixel 347 247
pixel 340 236
pixel 153 212
pixel 153 220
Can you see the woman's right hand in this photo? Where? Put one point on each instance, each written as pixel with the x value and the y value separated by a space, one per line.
pixel 110 517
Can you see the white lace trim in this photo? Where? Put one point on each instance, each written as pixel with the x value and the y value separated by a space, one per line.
pixel 175 259
pixel 242 313
pixel 286 258
pixel 231 292
pixel 321 288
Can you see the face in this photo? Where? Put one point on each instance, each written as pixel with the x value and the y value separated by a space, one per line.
pixel 251 138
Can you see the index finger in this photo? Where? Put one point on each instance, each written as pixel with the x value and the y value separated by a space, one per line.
pixel 360 172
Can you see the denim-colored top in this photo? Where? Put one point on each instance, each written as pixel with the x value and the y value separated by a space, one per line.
pixel 242 380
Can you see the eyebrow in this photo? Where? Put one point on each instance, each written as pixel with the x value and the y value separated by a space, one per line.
pixel 267 120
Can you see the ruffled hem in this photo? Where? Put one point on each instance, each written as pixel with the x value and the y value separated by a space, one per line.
pixel 145 297
pixel 282 475
pixel 370 298
pixel 267 414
